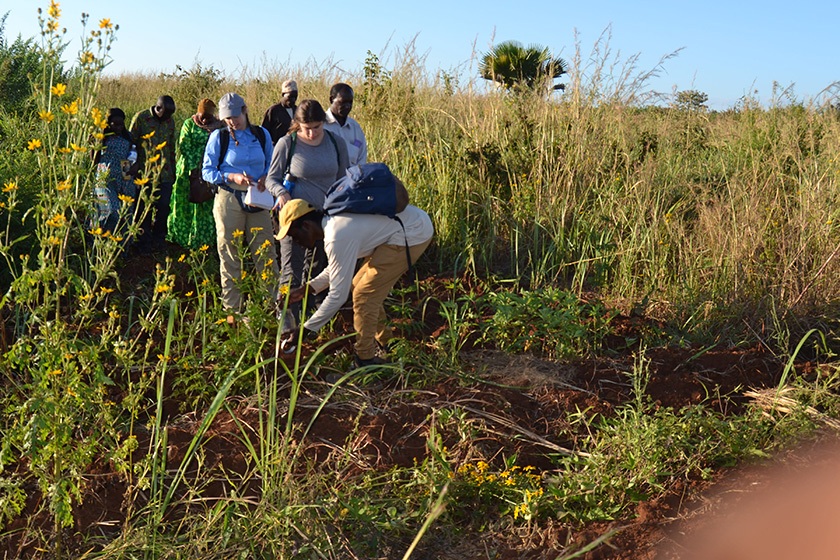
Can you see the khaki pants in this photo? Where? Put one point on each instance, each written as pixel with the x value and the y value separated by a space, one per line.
pixel 371 285
pixel 256 228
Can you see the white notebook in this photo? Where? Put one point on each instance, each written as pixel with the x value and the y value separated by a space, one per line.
pixel 264 199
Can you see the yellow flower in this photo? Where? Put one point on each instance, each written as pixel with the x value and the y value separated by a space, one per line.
pixel 58 90
pixel 147 136
pixel 205 282
pixel 105 290
pixel 95 113
pixel 105 23
pixel 182 257
pixel 70 108
pixel 9 187
pixel 141 181
pixel 244 274
pixel 154 158
pixel 71 392
pixel 46 116
pixel 264 275
pixel 163 288
pixel 204 248
pixel 160 146
pixel 54 11
pixel 238 233
pixel 114 314
pixel 56 372
pixel 52 25
pixel 98 135
pixel 53 240
pixel 2 204
pixel 86 57
pixel 64 150
pixel 33 145
pixel 86 297
pixel 95 231
pixel 189 294
pixel 125 198
pixel 57 221
pixel 77 148
pixel 284 289
pixel 256 229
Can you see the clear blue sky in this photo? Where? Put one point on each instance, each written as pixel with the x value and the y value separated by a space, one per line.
pixel 729 49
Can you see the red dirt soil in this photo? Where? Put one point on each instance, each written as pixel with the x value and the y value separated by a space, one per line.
pixel 785 510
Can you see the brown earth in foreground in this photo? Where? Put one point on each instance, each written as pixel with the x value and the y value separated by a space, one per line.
pixel 786 509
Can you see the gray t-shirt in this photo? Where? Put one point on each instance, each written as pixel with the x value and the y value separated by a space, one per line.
pixel 315 167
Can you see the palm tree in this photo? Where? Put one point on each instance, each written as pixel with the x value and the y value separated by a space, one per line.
pixel 514 66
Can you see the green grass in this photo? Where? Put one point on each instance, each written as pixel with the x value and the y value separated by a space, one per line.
pixel 552 216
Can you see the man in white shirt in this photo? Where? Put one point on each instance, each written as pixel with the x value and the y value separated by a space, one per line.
pixel 341 123
pixel 386 247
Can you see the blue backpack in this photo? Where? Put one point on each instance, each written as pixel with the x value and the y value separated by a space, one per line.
pixel 367 188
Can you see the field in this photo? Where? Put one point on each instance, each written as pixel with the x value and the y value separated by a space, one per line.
pixel 627 321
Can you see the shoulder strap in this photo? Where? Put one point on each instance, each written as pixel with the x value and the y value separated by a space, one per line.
pixel 335 145
pixel 224 142
pixel 291 153
pixel 259 133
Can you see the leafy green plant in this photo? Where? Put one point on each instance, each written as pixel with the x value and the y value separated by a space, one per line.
pixel 550 321
pixel 639 453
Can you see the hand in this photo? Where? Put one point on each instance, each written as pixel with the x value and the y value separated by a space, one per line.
pixel 287 342
pixel 240 179
pixel 281 201
pixel 298 294
pixel 261 184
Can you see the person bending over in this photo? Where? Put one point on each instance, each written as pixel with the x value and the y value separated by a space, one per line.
pixel 379 240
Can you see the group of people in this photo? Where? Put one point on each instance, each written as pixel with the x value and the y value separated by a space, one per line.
pixel 297 154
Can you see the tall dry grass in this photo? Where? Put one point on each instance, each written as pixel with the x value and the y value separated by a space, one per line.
pixel 713 219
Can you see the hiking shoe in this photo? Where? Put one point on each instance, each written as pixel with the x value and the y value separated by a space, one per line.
pixel 375 361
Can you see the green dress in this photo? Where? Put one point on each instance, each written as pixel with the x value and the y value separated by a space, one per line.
pixel 190 225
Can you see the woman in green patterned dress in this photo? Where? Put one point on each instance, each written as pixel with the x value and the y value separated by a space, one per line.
pixel 192 225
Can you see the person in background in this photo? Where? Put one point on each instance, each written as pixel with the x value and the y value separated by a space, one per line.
pixel 305 164
pixel 244 162
pixel 278 118
pixel 379 240
pixel 189 224
pixel 340 123
pixel 153 131
pixel 115 171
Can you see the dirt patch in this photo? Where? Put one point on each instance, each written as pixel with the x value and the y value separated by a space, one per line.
pixel 521 403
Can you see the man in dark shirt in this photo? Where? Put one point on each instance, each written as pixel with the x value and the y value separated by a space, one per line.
pixel 279 117
pixel 153 131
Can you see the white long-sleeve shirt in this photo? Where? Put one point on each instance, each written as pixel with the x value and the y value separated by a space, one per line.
pixel 349 237
pixel 352 133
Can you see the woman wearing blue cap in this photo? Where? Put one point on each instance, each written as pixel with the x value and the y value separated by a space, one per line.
pixel 238 156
